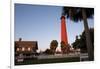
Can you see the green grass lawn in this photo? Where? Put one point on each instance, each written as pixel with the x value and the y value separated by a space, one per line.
pixel 46 61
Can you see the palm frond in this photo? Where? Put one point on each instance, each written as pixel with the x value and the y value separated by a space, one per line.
pixel 75 13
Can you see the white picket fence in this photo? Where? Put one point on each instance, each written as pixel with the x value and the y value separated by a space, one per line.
pixel 58 56
pixel 83 56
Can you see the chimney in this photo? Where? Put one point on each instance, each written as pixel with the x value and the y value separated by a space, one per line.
pixel 20 39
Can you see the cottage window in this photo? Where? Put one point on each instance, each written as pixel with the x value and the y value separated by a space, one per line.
pixel 23 49
pixel 29 49
pixel 17 49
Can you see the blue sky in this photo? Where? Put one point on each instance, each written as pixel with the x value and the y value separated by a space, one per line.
pixel 42 23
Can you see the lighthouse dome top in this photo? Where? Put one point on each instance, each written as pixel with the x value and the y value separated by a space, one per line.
pixel 62 17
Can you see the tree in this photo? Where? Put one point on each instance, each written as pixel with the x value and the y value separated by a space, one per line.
pixel 76 44
pixel 65 48
pixel 81 42
pixel 53 46
pixel 77 14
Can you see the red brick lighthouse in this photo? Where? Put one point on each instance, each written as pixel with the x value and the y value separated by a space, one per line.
pixel 64 37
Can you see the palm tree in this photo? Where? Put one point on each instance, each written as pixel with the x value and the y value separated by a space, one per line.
pixel 53 46
pixel 77 14
pixel 63 47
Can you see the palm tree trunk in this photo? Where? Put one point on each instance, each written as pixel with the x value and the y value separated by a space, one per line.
pixel 88 39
